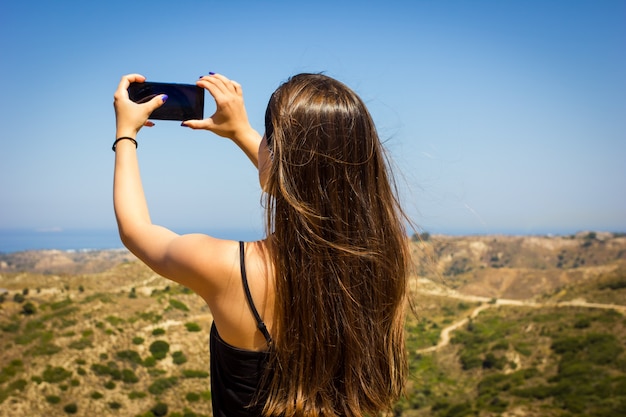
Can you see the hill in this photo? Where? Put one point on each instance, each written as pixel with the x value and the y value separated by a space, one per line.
pixel 504 326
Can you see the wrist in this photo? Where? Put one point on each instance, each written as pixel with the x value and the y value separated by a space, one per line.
pixel 121 139
pixel 244 135
pixel 128 133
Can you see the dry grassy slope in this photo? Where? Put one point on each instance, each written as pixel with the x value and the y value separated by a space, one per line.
pixel 98 285
pixel 69 262
pixel 525 267
pixel 97 307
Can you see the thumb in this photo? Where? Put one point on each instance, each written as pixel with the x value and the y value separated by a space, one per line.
pixel 156 102
pixel 198 124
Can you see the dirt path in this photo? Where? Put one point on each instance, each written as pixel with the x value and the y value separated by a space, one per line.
pixel 444 337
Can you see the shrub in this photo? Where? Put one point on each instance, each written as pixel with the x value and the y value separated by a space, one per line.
pixel 136 394
pixel 161 384
pixel 114 321
pixel 55 374
pixel 179 357
pixel 160 409
pixel 158 332
pixel 192 397
pixel 190 373
pixel 29 309
pixel 159 349
pixel 12 327
pixel 81 344
pixel 71 408
pixel 100 369
pixel 114 405
pixel 149 362
pixel 109 385
pixel 192 327
pixel 96 395
pixel 11 370
pixel 178 305
pixel 130 356
pixel 129 377
pixel 53 399
pixel 138 340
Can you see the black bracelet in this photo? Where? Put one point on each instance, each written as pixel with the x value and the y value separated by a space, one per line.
pixel 122 138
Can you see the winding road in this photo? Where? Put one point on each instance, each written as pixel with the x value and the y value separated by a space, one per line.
pixel 444 337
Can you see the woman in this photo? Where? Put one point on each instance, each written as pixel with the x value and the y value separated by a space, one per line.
pixel 309 321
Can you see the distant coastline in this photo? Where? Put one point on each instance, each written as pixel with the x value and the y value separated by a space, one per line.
pixel 19 240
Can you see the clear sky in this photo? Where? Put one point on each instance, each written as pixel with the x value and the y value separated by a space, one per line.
pixel 500 116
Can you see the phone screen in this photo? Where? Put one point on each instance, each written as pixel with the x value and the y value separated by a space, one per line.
pixel 184 101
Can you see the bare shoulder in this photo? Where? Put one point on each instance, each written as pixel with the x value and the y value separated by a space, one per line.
pixel 203 263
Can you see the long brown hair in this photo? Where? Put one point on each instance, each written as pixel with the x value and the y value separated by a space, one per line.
pixel 339 248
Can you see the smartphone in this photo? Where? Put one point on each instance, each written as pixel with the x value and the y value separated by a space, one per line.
pixel 184 101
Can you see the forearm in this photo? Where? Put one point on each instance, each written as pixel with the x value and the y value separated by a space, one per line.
pixel 131 209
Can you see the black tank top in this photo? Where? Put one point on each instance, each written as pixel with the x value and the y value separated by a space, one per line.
pixel 236 373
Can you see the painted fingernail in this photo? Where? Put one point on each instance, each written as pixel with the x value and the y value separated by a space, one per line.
pixel 211 73
pixel 164 98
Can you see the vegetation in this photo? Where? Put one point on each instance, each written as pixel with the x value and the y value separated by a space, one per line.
pixel 159 349
pixel 94 345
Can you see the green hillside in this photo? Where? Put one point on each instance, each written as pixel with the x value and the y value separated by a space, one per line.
pixel 502 326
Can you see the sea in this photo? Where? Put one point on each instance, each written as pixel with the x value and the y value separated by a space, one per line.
pixel 19 240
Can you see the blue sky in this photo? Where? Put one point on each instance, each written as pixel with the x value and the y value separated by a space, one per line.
pixel 500 116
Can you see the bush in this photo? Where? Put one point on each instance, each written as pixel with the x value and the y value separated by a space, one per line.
pixel 136 394
pixel 192 397
pixel 178 305
pixel 130 356
pixel 138 340
pixel 158 332
pixel 192 327
pixel 12 327
pixel 129 377
pixel 29 309
pixel 159 349
pixel 11 370
pixel 160 409
pixel 179 357
pixel 71 408
pixel 81 344
pixel 114 405
pixel 161 384
pixel 190 373
pixel 96 395
pixel 53 399
pixel 55 374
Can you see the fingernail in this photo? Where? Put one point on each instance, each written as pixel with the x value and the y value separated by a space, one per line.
pixel 183 124
pixel 211 73
pixel 164 98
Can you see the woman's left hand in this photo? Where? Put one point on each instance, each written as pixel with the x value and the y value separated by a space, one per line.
pixel 130 117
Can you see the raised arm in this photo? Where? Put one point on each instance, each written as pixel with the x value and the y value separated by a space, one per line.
pixel 230 119
pixel 197 261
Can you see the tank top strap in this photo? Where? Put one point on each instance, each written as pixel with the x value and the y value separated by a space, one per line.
pixel 260 324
